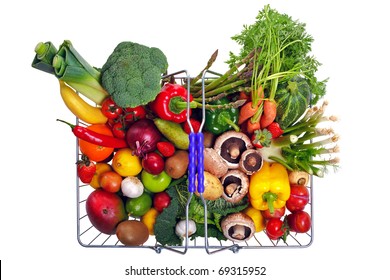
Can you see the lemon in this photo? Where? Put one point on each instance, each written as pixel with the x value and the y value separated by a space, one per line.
pixel 138 206
pixel 125 163
pixel 149 219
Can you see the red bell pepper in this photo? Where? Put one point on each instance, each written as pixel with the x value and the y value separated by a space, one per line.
pixel 171 103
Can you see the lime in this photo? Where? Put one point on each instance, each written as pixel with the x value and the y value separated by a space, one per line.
pixel 138 206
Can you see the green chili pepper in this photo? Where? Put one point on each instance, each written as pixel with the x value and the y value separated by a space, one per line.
pixel 221 119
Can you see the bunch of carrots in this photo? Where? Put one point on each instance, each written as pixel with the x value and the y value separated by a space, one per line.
pixel 256 113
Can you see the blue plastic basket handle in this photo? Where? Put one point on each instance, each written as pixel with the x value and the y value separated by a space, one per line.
pixel 200 161
pixel 196 149
pixel 192 163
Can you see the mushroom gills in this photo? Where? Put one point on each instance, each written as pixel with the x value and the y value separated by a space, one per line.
pixel 239 232
pixel 235 185
pixel 232 185
pixel 238 227
pixel 232 149
pixel 251 161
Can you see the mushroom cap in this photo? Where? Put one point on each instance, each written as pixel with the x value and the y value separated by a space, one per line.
pixel 239 183
pixel 230 145
pixel 214 163
pixel 236 221
pixel 251 161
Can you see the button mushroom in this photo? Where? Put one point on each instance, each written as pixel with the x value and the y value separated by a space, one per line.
pixel 250 161
pixel 236 185
pixel 214 163
pixel 238 227
pixel 230 145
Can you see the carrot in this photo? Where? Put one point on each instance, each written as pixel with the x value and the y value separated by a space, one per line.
pixel 269 113
pixel 250 108
pixel 252 126
pixel 246 112
pixel 243 96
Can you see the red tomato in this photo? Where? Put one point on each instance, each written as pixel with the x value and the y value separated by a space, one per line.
pixel 110 109
pixel 298 199
pixel 119 130
pixel 161 201
pixel 134 114
pixel 275 228
pixel 299 221
pixel 278 213
pixel 153 163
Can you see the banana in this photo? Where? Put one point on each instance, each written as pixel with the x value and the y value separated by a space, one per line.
pixel 79 107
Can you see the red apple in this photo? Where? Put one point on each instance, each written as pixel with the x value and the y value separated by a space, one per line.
pixel 105 210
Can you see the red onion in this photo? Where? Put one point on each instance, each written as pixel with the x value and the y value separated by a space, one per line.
pixel 142 137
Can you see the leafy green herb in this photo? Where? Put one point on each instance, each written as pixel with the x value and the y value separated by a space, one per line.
pixel 282 48
pixel 212 231
pixel 222 207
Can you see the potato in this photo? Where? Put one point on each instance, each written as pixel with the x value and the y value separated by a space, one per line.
pixel 213 188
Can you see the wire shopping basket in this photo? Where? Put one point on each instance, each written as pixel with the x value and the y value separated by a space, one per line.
pixel 89 236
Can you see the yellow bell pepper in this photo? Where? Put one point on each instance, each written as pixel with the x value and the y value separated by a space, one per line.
pixel 269 188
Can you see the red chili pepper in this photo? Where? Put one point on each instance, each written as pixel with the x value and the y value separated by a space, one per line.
pixel 171 103
pixel 96 138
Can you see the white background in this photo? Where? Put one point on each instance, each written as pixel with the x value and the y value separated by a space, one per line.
pixel 38 196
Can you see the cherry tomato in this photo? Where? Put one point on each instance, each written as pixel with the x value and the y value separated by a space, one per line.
pixel 110 109
pixel 275 228
pixel 153 163
pixel 119 130
pixel 299 197
pixel 278 213
pixel 161 201
pixel 134 114
pixel 299 221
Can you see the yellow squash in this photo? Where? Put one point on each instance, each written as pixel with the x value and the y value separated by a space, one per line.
pixel 79 107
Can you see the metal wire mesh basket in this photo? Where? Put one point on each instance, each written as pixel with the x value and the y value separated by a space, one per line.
pixel 89 236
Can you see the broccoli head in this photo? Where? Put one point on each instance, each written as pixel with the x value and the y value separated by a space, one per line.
pixel 132 74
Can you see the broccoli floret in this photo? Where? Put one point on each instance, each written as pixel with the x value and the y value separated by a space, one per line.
pixel 132 74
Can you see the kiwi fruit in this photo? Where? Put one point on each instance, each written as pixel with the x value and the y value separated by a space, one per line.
pixel 177 164
pixel 132 233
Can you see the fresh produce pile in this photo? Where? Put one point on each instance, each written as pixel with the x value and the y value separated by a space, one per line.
pixel 266 133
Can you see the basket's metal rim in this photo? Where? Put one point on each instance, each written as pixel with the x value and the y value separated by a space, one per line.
pixel 182 249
